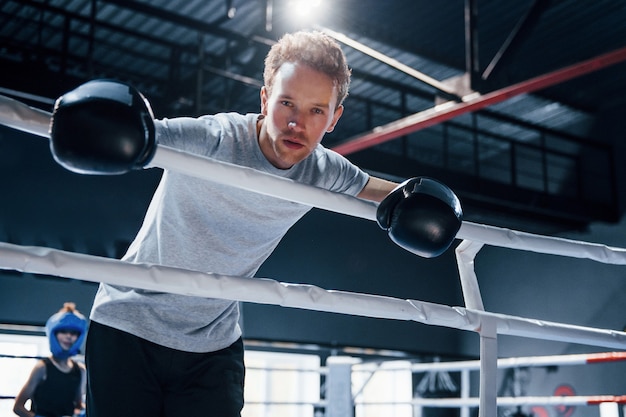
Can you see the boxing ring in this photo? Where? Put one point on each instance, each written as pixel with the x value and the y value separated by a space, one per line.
pixel 471 317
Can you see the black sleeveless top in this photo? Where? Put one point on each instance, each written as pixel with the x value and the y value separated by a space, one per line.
pixel 54 396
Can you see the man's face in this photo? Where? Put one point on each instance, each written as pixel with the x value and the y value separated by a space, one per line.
pixel 299 111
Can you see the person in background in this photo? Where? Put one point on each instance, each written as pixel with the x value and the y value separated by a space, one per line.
pixel 56 385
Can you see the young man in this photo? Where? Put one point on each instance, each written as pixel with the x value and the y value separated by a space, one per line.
pixel 56 385
pixel 160 354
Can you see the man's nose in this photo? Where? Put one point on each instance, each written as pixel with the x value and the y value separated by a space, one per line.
pixel 296 120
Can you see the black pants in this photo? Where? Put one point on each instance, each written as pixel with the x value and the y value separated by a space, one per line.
pixel 130 377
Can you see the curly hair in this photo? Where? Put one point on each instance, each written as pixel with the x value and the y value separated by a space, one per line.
pixel 314 49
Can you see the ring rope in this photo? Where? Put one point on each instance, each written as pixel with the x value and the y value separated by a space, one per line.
pixel 515 362
pixel 39 260
pixel 28 119
pixel 573 400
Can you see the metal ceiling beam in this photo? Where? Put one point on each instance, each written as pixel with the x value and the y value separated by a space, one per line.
pixel 524 26
pixel 474 102
pixel 100 23
pixel 471 37
pixel 154 12
pixel 212 28
pixel 445 90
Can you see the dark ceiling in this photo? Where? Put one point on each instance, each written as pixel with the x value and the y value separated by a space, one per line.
pixel 532 93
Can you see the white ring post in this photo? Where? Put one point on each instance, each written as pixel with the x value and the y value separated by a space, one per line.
pixel 339 401
pixel 609 410
pixel 465 391
pixel 488 368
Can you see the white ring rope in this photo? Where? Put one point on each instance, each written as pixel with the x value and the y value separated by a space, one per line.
pixel 504 363
pixel 524 361
pixel 54 262
pixel 28 119
pixel 23 117
pixel 573 400
pixel 261 182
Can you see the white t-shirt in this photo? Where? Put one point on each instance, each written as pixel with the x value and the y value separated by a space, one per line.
pixel 204 226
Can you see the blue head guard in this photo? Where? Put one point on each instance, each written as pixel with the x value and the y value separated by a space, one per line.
pixel 65 320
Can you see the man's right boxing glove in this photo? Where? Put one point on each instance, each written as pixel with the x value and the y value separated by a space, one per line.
pixel 421 215
pixel 102 127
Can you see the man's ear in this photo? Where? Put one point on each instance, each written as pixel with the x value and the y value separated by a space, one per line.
pixel 336 116
pixel 263 101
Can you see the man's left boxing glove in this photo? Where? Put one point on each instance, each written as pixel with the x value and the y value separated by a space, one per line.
pixel 102 127
pixel 421 215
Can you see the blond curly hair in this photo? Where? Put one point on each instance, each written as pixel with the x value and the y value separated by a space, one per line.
pixel 314 49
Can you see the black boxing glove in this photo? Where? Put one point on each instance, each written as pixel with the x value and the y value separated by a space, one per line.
pixel 102 127
pixel 421 215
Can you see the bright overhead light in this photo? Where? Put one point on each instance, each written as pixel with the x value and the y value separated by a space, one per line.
pixel 306 10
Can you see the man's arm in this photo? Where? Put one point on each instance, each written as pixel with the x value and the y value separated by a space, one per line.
pixel 376 189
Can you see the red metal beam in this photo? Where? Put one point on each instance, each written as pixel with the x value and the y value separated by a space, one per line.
pixel 471 103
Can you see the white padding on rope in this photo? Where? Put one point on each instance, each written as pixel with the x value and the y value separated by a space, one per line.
pixel 23 117
pixel 39 260
pixel 497 236
pixel 465 254
pixel 261 182
pixel 513 401
pixel 523 361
